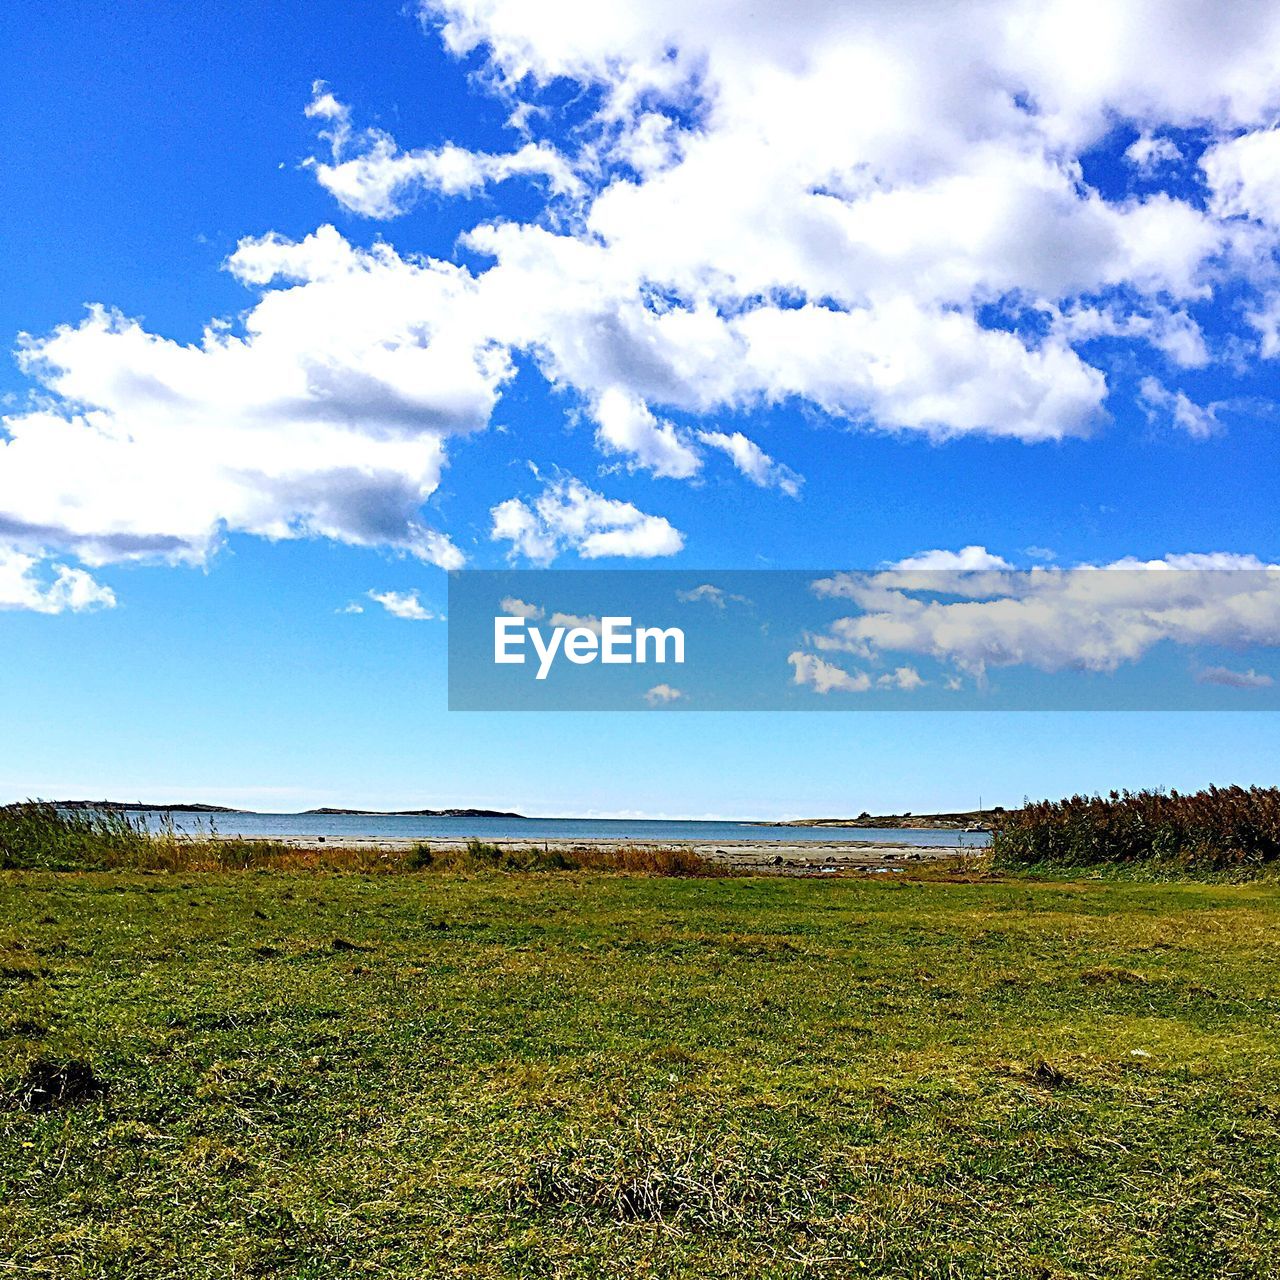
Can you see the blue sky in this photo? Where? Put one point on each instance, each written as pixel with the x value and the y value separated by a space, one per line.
pixel 741 291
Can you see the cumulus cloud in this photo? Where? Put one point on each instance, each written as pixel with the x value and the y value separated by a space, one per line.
pixel 967 559
pixel 1172 332
pixel 663 695
pixel 628 426
pixel 724 253
pixel 1265 319
pixel 28 583
pixel 1084 619
pixel 567 515
pixel 1243 174
pixel 403 604
pixel 326 417
pixel 930 258
pixel 753 462
pixel 1159 403
pixel 824 677
pixel 1230 679
pixel 1177 60
pixel 904 678
pixel 946 174
pixel 575 621
pixel 707 593
pixel 381 181
pixel 513 607
pixel 1148 152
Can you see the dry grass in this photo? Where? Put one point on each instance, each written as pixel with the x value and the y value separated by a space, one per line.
pixel 629 859
pixel 687 1181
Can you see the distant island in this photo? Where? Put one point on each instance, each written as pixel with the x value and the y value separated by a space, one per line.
pixel 132 806
pixel 967 820
pixel 415 813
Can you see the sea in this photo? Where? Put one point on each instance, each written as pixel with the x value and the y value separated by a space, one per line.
pixel 652 830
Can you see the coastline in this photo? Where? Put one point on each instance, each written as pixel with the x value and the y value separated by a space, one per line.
pixel 767 857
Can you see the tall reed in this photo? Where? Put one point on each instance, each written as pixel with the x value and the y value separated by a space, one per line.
pixel 1220 828
pixel 36 835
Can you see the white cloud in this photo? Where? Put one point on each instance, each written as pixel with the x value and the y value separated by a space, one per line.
pixel 712 595
pixel 1243 174
pixel 1178 60
pixel 753 462
pixel 627 426
pixel 517 608
pixel 381 181
pixel 27 583
pixel 1199 422
pixel 967 559
pixel 324 106
pixel 946 167
pixel 748 258
pixel 1148 152
pixel 403 604
pixel 825 676
pixel 904 678
pixel 1086 619
pixel 700 246
pixel 572 621
pixel 326 417
pixel 1265 318
pixel 1174 333
pixel 663 695
pixel 1230 679
pixel 569 516
pixel 384 182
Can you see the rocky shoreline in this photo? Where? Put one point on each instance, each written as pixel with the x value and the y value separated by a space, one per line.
pixel 780 857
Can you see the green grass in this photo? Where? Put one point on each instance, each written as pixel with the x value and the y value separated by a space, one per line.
pixel 580 1074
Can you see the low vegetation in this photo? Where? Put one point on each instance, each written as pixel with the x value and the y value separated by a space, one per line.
pixel 457 1071
pixel 632 859
pixel 40 836
pixel 574 1075
pixel 1221 829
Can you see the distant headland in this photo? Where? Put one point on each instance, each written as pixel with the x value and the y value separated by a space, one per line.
pixel 130 806
pixel 416 813
pixel 973 819
pixel 136 806
pixel 968 820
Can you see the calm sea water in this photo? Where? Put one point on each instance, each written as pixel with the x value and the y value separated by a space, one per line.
pixel 338 825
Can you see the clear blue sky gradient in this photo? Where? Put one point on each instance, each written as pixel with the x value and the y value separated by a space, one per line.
pixel 144 140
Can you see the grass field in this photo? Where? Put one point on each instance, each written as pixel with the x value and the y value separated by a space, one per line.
pixel 584 1074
